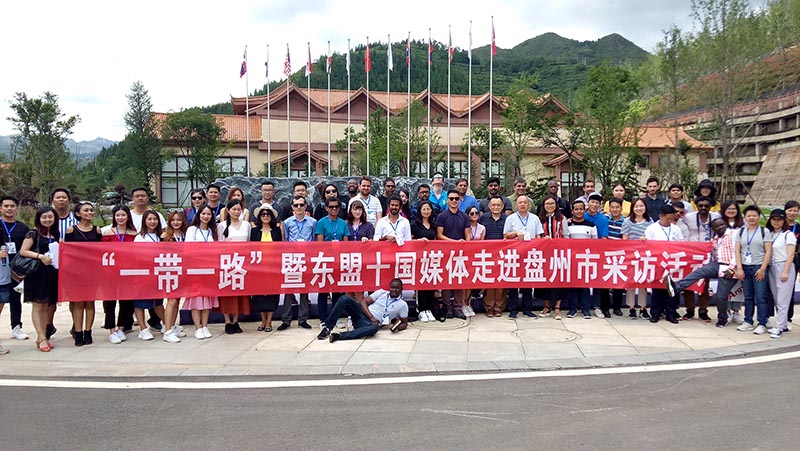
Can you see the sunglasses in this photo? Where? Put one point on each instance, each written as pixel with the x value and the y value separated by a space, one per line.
pixel 473 213
pixel 334 207
pixel 197 198
pixel 175 210
pixel 298 205
pixel 703 206
pixel 453 198
pixel 389 186
pixel 330 191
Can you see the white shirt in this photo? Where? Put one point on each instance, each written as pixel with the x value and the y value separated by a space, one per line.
pixel 234 234
pixel 657 232
pixel 386 306
pixel 196 234
pixel 530 223
pixel 779 243
pixel 385 227
pixel 137 220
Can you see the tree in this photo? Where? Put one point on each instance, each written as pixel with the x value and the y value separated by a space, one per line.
pixel 41 162
pixel 142 145
pixel 565 132
pixel 610 131
pixel 480 147
pixel 519 118
pixel 197 137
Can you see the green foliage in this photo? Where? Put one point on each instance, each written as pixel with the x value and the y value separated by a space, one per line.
pixel 41 162
pixel 480 147
pixel 142 145
pixel 519 119
pixel 197 138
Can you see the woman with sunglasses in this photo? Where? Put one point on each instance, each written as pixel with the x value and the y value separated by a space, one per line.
pixel 234 229
pixel 83 232
pixel 477 231
pixel 202 230
pixel 175 233
pixel 266 230
pixel 329 191
pixel 198 198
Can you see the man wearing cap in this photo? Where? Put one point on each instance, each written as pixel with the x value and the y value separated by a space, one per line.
pixel 663 302
pixel 438 196
pixel 698 226
pixel 600 296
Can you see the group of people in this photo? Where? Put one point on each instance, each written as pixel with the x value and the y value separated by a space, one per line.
pixel 764 259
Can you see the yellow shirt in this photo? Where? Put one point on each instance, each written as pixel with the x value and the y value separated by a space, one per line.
pixel 266 236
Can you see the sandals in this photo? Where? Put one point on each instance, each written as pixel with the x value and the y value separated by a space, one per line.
pixel 44 345
pixel 557 313
pixel 545 312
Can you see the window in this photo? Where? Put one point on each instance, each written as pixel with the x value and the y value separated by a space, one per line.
pixel 175 186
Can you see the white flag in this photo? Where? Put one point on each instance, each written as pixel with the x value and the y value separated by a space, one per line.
pixel 389 54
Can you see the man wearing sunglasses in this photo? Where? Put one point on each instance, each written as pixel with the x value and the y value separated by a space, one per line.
pixel 453 225
pixel 299 227
pixel 699 230
pixel 330 228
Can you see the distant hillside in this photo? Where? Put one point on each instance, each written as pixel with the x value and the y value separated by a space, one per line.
pixel 561 64
pixel 82 150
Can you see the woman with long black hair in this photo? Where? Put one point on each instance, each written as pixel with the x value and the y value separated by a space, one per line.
pixel 267 230
pixel 83 232
pixel 123 231
pixel 203 230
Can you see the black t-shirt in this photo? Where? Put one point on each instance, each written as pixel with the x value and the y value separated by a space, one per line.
pixel 18 231
pixel 418 231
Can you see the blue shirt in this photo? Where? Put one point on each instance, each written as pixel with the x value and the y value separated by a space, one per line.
pixel 454 225
pixel 332 230
pixel 299 230
pixel 600 222
pixel 467 202
pixel 441 201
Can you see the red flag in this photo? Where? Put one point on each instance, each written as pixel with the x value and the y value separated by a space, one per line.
pixel 494 45
pixel 430 51
pixel 328 64
pixel 450 47
pixel 308 63
pixel 367 60
pixel 408 50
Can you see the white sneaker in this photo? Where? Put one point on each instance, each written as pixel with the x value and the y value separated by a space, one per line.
pixel 206 332
pixel 773 330
pixel 423 316
pixel 18 334
pixel 198 333
pixel 178 331
pixel 760 330
pixel 145 335
pixel 737 318
pixel 789 327
pixel 745 327
pixel 599 313
pixel 170 337
pixel 471 312
pixel 114 339
pixel 465 311
pixel 776 334
pixel 3 350
pixel 349 325
pixel 121 335
pixel 340 324
pixel 163 329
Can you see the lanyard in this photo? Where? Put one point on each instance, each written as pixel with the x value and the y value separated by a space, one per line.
pixel 300 225
pixel 205 236
pixel 120 236
pixel 525 222
pixel 334 223
pixel 778 236
pixel 151 236
pixel 706 227
pixel 178 239
pixel 473 232
pixel 750 237
pixel 666 232
pixel 355 232
pixel 389 302
pixel 393 226
pixel 8 232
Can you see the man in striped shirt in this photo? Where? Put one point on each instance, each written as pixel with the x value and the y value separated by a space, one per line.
pixel 723 258
pixel 580 228
pixel 60 200
pixel 613 298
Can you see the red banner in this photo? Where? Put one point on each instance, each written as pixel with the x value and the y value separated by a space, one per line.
pixel 157 270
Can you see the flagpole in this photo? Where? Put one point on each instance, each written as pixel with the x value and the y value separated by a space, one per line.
pixel 347 61
pixel 469 110
pixel 269 124
pixel 408 118
pixel 288 70
pixel 328 69
pixel 430 62
pixel 491 96
pixel 388 100
pixel 308 107
pixel 367 55
pixel 449 62
pixel 247 109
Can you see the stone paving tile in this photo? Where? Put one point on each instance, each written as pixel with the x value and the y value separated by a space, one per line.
pixel 386 346
pixel 424 358
pixel 266 358
pixel 482 366
pixel 492 337
pixel 232 371
pixel 167 372
pixel 439 347
pixel 311 358
pixel 447 367
pixel 594 350
pixel 420 367
pixel 389 368
pixel 325 370
pixel 358 369
pixel 512 365
pixel 494 351
pixel 657 342
pixel 603 340
pixel 364 358
pixel 707 342
pixel 460 335
pixel 551 351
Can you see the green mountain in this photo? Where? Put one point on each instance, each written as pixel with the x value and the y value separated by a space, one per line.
pixel 562 66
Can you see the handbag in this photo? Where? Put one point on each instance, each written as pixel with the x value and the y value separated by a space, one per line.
pixel 21 267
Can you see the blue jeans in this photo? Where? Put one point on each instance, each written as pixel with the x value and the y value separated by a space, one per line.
pixel 580 298
pixel 514 303
pixel 362 326
pixel 755 294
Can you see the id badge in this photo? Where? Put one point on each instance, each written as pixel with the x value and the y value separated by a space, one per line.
pixel 11 248
pixel 399 240
pixel 526 236
pixel 748 258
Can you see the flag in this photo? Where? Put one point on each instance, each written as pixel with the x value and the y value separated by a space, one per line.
pixel 347 60
pixel 430 51
pixel 367 60
pixel 287 65
pixel 450 47
pixel 308 64
pixel 408 50
pixel 469 52
pixel 243 69
pixel 494 46
pixel 389 56
pixel 328 63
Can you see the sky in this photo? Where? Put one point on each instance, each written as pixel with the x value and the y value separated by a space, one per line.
pixel 188 53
